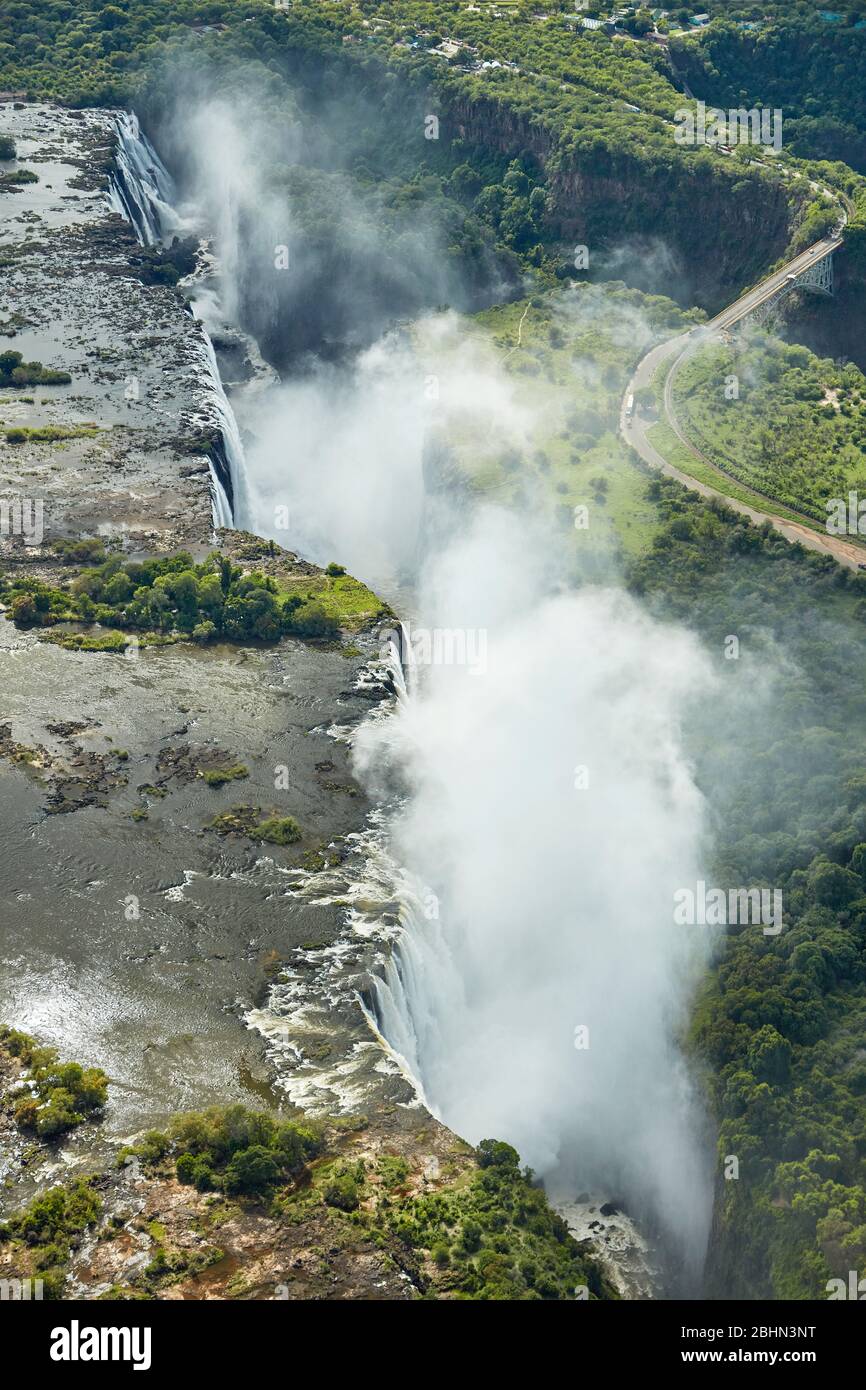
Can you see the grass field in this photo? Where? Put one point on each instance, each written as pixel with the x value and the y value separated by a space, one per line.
pixel 785 423
pixel 569 355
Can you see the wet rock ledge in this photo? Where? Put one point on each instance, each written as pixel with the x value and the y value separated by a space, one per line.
pixel 123 446
pixel 168 806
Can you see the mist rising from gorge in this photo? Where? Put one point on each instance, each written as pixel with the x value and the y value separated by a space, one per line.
pixel 555 903
pixel 551 810
pixel 320 254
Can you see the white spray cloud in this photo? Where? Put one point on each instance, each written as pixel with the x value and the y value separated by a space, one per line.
pixel 227 155
pixel 338 456
pixel 555 901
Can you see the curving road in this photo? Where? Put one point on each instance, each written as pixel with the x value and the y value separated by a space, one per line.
pixel 635 430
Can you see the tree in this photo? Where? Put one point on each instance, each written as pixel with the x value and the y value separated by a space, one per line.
pixel 495 1153
pixel 210 596
pixel 118 589
pixel 834 886
pixel 342 1192
pixel 24 610
pixel 252 1170
pixel 470 1237
pixel 770 1056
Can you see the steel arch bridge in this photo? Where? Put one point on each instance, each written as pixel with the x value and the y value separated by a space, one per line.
pixel 816 278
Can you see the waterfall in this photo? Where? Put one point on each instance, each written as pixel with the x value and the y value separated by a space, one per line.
pixel 228 465
pixel 395 1002
pixel 400 667
pixel 536 989
pixel 142 190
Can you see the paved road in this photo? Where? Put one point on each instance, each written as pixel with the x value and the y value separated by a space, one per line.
pixel 753 298
pixel 635 431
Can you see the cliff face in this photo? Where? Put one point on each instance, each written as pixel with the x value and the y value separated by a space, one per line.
pixel 736 1266
pixel 836 327
pixel 744 222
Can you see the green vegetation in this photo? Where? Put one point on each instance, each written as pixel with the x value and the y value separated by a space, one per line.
pixel 248 820
pixel 46 1231
pixel 90 642
pixel 212 601
pixel 339 597
pixel 484 1232
pixel 491 1235
pixel 531 108
pixel 218 776
pixel 795 431
pixel 569 353
pixel 7 147
pixel 233 1149
pixel 780 1024
pixel 56 1096
pixel 89 551
pixel 11 181
pixel 49 434
pixel 798 61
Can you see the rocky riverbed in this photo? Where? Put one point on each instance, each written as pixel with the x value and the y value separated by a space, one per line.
pixel 137 937
pixel 148 927
pixel 133 426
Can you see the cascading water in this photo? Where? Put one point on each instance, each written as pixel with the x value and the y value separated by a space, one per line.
pixel 555 902
pixel 228 468
pixel 143 191
pixel 536 989
pixel 141 188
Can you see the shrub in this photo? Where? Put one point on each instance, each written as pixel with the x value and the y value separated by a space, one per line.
pixel 495 1153
pixel 153 1147
pixel 393 1170
pixel 252 1170
pixel 470 1237
pixel 60 1095
pixel 218 776
pixel 344 1193
pixel 311 620
pixel 278 830
pixel 197 1172
pixel 16 372
pixel 51 1224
